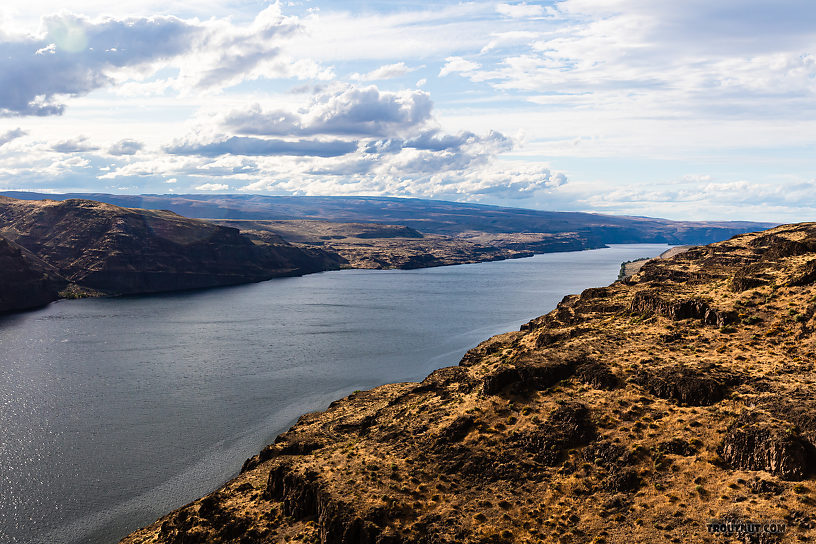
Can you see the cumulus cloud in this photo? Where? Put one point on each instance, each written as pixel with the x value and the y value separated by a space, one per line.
pixel 76 55
pixel 125 147
pixel 243 145
pixel 80 144
pixel 348 111
pixel 11 135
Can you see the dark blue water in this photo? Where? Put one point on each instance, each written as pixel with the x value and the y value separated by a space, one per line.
pixel 115 411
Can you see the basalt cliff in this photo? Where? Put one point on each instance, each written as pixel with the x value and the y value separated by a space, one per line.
pixel 72 248
pixel 673 406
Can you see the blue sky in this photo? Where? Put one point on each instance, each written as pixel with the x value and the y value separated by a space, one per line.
pixel 686 110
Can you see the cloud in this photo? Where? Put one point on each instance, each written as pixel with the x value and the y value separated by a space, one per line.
pixel 663 60
pixel 11 135
pixel 212 187
pixel 76 145
pixel 76 55
pixel 388 71
pixel 348 111
pixel 242 145
pixel 510 38
pixel 455 65
pixel 435 140
pixel 125 147
pixel 520 10
pixel 232 54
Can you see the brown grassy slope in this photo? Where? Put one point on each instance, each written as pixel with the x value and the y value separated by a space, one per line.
pixel 631 413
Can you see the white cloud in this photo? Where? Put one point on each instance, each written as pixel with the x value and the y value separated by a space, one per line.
pixel 345 110
pixel 76 55
pixel 80 144
pixel 11 135
pixel 510 38
pixel 520 10
pixel 455 65
pixel 212 187
pixel 125 147
pixel 387 71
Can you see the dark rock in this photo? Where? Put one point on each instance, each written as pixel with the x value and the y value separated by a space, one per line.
pixel 677 446
pixel 751 444
pixel 683 385
pixel 768 487
pixel 566 427
pixel 778 247
pixel 607 454
pixel 649 302
pixel 525 376
pixel 303 496
pixel 625 480
pixel 805 275
pixel 747 278
pixel 596 374
pixel 457 430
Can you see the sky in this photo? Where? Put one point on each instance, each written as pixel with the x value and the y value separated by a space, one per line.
pixel 684 110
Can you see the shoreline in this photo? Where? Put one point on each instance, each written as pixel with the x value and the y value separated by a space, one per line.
pixel 74 292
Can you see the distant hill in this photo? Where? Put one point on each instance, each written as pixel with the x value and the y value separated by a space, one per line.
pixel 429 216
pixel 101 249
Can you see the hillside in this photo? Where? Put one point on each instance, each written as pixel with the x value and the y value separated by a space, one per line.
pixel 381 246
pixel 27 281
pixel 429 216
pixel 104 249
pixel 676 401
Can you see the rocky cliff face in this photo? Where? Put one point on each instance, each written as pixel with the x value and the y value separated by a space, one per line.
pixel 27 281
pixel 114 250
pixel 645 411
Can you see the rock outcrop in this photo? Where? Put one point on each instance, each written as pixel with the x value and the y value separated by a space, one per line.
pixel 633 413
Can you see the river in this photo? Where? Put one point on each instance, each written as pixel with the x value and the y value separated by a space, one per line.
pixel 115 411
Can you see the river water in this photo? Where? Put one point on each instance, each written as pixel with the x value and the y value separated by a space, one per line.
pixel 116 411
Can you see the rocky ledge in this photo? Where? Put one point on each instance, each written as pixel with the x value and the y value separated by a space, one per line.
pixel 650 410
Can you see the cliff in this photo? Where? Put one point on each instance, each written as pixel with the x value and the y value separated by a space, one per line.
pixel 27 281
pixel 673 403
pixel 111 250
